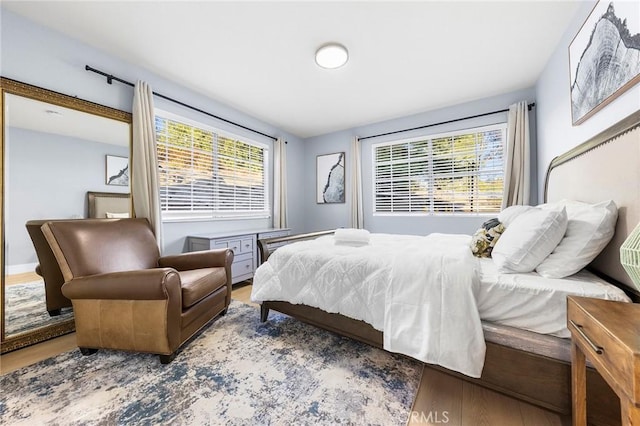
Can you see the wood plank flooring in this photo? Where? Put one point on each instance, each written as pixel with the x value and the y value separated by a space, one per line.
pixel 26 277
pixel 30 355
pixel 444 399
pixel 441 399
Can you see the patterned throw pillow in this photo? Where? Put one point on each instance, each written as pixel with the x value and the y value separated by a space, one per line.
pixel 486 237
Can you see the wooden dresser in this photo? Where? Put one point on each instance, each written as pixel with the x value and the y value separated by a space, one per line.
pixel 608 335
pixel 244 246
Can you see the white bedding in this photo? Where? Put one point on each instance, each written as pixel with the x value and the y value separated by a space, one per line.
pixel 417 290
pixel 400 284
pixel 431 311
pixel 531 302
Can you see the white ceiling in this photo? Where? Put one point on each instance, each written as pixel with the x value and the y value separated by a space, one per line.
pixel 43 117
pixel 405 57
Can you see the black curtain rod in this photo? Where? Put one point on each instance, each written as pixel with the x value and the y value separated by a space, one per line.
pixel 111 78
pixel 529 106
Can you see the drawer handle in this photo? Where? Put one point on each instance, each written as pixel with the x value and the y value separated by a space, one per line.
pixel 597 349
pixel 247 266
pixel 247 245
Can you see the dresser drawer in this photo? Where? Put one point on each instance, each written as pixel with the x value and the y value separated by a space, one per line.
pixel 234 245
pixel 274 234
pixel 242 267
pixel 246 245
pixel 243 244
pixel 610 357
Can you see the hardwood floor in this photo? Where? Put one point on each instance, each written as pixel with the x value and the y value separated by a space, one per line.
pixel 30 355
pixel 242 293
pixel 441 399
pixel 444 399
pixel 26 277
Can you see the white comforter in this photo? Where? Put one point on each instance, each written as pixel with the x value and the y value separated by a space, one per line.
pixel 417 290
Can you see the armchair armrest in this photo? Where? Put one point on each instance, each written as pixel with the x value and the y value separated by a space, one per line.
pixel 198 259
pixel 144 284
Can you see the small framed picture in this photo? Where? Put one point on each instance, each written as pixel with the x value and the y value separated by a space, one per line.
pixel 330 178
pixel 117 170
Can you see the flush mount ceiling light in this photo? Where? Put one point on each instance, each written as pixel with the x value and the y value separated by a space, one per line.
pixel 332 55
pixel 53 113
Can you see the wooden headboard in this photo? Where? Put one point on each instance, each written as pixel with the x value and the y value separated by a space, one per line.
pixel 606 167
pixel 102 202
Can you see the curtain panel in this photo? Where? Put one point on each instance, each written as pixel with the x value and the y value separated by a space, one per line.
pixel 517 164
pixel 279 184
pixel 357 214
pixel 144 161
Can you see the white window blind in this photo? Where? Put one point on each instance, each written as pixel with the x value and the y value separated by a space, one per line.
pixel 206 174
pixel 459 172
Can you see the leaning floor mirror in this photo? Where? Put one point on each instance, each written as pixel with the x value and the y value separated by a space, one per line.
pixel 56 149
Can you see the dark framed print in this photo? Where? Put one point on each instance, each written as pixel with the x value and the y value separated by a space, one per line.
pixel 117 170
pixel 330 172
pixel 604 57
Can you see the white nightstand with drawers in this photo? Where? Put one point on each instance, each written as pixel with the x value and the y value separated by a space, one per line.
pixel 244 246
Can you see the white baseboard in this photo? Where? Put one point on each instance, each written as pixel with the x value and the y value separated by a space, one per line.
pixel 21 269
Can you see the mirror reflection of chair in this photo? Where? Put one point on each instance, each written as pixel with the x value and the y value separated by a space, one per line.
pixel 125 296
pixel 99 206
pixel 48 269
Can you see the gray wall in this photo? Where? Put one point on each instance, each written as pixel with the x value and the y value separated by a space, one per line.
pixel 47 177
pixel 36 55
pixel 329 216
pixel 556 134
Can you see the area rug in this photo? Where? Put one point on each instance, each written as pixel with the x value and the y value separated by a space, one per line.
pixel 238 371
pixel 26 308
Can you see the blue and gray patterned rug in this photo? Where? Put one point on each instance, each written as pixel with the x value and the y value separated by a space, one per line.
pixel 237 371
pixel 26 308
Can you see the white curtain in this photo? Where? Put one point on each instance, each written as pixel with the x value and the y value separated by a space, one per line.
pixel 279 184
pixel 517 161
pixel 144 162
pixel 357 215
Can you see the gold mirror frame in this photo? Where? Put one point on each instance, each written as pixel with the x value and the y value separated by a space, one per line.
pixel 8 86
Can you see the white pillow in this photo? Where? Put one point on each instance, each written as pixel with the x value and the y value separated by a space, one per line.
pixel 529 239
pixel 351 237
pixel 110 215
pixel 589 230
pixel 508 215
pixel 555 205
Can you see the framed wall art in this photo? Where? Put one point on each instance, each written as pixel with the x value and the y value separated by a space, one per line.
pixel 117 170
pixel 330 172
pixel 604 57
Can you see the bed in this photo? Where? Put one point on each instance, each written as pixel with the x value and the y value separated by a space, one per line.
pixel 111 205
pixel 527 365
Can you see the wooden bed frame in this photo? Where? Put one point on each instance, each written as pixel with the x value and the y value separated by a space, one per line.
pixel 532 367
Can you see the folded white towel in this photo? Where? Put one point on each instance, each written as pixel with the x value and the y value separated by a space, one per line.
pixel 351 236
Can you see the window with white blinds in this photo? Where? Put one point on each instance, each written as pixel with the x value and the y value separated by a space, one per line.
pixel 458 172
pixel 207 174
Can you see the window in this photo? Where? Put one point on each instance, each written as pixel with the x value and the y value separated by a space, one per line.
pixel 459 172
pixel 207 174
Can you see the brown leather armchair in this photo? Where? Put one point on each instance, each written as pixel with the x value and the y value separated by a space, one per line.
pixel 125 296
pixel 48 269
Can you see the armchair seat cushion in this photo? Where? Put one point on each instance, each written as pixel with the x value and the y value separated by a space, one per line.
pixel 199 283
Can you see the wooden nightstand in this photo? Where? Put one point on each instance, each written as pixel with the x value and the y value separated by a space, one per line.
pixel 607 334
